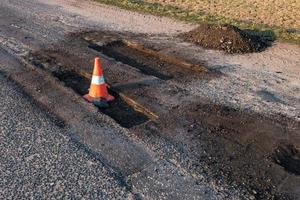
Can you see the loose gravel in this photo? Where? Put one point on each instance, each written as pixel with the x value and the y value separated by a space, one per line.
pixel 38 161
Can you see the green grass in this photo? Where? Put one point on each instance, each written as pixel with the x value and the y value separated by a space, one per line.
pixel 279 33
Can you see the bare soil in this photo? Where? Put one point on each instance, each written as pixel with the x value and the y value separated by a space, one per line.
pixel 225 37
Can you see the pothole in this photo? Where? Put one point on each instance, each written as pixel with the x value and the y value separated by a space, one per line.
pixel 120 52
pixel 149 62
pixel 288 157
pixel 123 113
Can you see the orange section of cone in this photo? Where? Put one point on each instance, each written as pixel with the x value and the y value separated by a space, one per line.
pixel 98 91
pixel 98 88
pixel 97 68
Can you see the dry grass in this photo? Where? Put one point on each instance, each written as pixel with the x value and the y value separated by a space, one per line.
pixel 282 13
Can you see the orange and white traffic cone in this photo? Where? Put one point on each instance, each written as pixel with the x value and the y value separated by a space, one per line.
pixel 98 89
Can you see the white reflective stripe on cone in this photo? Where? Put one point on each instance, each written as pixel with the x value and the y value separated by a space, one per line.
pixel 98 80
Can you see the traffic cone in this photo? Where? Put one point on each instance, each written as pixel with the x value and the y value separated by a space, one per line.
pixel 98 89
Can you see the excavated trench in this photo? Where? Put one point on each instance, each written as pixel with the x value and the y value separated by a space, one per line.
pixel 120 52
pixel 150 62
pixel 123 110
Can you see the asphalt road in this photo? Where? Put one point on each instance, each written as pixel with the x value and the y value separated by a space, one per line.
pixel 55 145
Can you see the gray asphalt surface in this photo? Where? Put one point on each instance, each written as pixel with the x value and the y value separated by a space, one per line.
pixel 39 161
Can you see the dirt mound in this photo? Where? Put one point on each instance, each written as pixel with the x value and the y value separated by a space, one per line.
pixel 225 37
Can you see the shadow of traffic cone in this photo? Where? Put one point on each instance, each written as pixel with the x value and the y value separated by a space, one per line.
pixel 98 89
